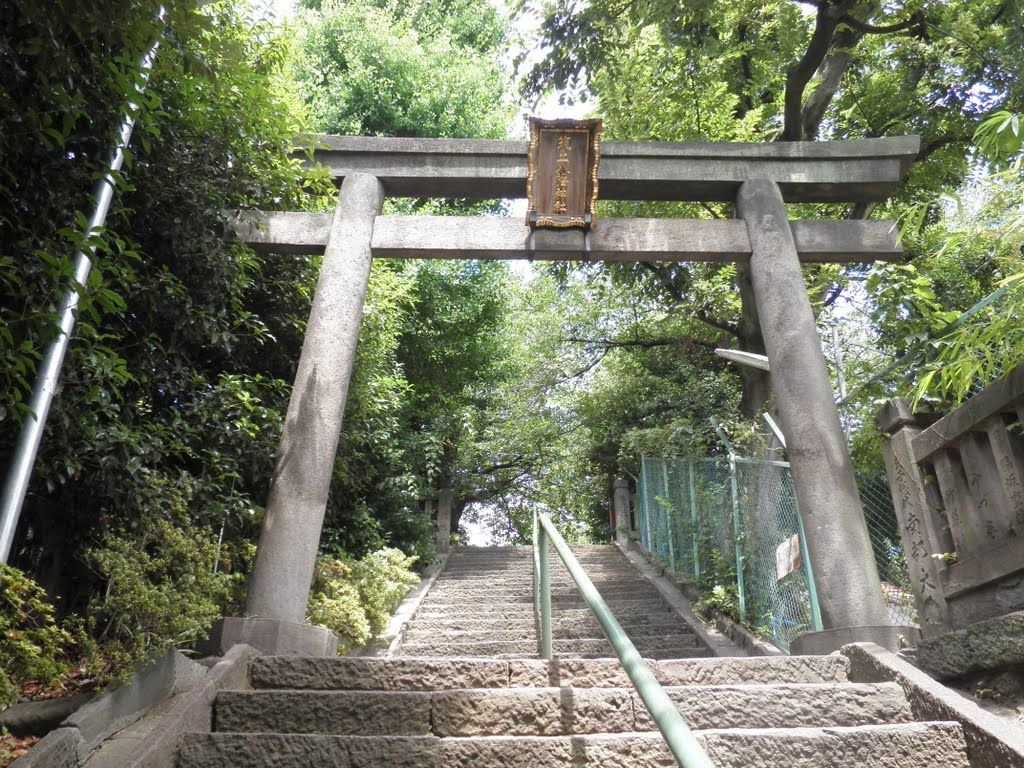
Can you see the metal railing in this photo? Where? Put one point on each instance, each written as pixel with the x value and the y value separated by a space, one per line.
pixel 684 746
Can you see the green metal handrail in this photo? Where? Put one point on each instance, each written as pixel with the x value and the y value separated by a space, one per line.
pixel 684 746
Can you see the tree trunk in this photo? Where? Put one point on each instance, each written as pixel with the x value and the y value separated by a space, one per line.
pixel 756 383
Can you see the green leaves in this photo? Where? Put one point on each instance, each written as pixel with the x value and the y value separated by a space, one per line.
pixel 1001 135
pixel 404 71
pixel 32 647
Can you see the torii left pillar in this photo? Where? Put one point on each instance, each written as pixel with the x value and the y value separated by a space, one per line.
pixel 290 536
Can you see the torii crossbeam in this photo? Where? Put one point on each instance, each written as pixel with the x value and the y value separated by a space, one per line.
pixel 759 178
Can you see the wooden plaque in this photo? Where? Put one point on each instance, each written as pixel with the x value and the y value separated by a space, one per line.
pixel 561 185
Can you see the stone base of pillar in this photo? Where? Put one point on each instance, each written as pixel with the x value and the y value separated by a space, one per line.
pixel 271 637
pixel 830 640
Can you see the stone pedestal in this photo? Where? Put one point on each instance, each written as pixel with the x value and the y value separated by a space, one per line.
pixel 271 637
pixel 444 518
pixel 623 518
pixel 830 640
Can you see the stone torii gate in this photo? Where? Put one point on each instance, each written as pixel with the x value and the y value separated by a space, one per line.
pixel 759 178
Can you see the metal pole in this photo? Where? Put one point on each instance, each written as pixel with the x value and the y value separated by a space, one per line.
pixel 737 545
pixel 740 585
pixel 681 741
pixel 545 594
pixel 812 589
pixel 647 511
pixel 668 515
pixel 23 459
pixel 693 523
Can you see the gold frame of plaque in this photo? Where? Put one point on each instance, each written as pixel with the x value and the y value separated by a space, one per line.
pixel 561 182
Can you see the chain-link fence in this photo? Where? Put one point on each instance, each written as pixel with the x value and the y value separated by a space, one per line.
pixel 732 527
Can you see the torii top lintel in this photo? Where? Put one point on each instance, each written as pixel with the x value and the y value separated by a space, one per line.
pixel 864 170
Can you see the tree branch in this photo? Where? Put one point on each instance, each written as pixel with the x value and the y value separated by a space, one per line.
pixel 723 325
pixel 832 70
pixel 916 20
pixel 981 56
pixel 828 18
pixel 642 343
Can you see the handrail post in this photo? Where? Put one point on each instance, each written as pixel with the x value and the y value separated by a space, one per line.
pixel 536 579
pixel 545 593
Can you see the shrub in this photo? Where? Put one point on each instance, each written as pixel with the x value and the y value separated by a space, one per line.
pixel 160 587
pixel 32 646
pixel 354 598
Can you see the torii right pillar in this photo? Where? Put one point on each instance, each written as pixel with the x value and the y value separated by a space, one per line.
pixel 853 608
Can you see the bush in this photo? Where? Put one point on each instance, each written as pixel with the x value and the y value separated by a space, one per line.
pixel 354 598
pixel 32 646
pixel 161 590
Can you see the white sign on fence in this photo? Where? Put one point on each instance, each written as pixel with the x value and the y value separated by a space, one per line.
pixel 787 557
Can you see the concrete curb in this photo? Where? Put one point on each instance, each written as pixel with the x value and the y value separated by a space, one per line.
pixel 991 741
pixel 85 730
pixel 193 711
pixel 744 638
pixel 671 592
pixel 394 636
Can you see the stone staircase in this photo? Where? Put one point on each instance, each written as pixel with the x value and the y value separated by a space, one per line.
pixel 464 691
pixel 482 605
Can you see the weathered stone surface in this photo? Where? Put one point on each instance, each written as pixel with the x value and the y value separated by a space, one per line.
pixel 191 711
pixel 914 745
pixel 123 705
pixel 269 636
pixel 783 706
pixel 464 237
pixel 835 171
pixel 278 586
pixel 32 718
pixel 773 669
pixel 390 674
pixel 849 590
pixel 275 750
pixel 953 426
pixel 368 713
pixel 986 585
pixel 57 749
pixel 651 647
pixel 989 645
pixel 532 712
pixel 991 741
pixel 507 752
pixel 918 745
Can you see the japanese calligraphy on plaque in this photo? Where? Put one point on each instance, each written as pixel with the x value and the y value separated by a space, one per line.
pixel 561 184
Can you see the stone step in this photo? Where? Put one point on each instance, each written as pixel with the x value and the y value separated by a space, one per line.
pixel 645 622
pixel 527 630
pixel 410 673
pixel 658 639
pixel 448 593
pixel 548 712
pixel 519 607
pixel 914 745
pixel 591 648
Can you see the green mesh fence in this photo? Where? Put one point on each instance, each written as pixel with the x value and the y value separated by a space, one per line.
pixel 735 525
pixel 883 529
